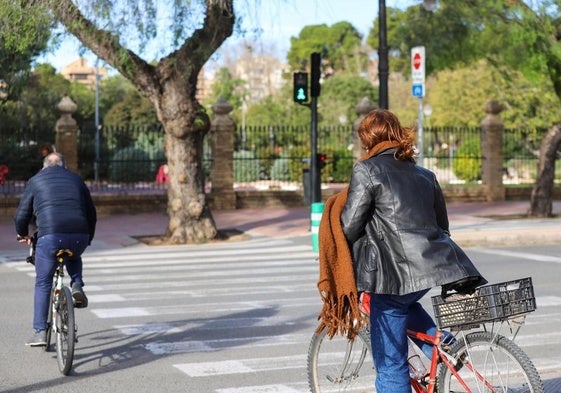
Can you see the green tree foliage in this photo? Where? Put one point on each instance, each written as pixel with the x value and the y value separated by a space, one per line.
pixel 458 97
pixel 24 35
pixel 448 37
pixel 339 96
pixel 36 104
pixel 529 36
pixel 467 163
pixel 133 109
pixel 277 109
pixel 340 46
pixel 227 87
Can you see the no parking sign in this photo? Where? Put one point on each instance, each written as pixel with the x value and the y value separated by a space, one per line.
pixel 418 71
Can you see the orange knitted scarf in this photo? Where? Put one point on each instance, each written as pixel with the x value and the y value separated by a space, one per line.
pixel 340 313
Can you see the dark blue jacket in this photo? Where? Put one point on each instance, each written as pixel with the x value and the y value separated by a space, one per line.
pixel 60 201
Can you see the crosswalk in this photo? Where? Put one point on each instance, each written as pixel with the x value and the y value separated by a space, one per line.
pixel 247 308
pixel 230 317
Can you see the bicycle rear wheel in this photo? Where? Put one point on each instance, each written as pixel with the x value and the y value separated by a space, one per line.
pixel 502 365
pixel 340 365
pixel 65 331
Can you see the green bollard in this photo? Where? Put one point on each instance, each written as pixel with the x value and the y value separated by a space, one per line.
pixel 316 212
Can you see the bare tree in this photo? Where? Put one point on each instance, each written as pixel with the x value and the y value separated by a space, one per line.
pixel 541 200
pixel 170 85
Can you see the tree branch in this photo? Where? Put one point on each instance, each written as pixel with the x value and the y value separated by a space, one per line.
pixel 103 44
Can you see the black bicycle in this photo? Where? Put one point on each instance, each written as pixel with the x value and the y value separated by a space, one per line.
pixel 60 321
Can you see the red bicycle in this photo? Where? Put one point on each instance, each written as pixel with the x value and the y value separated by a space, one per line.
pixel 481 360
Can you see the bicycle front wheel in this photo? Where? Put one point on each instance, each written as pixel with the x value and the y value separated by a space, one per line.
pixel 339 364
pixel 65 331
pixel 490 363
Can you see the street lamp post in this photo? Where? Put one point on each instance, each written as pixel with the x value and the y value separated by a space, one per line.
pixel 97 124
pixel 383 50
pixel 383 63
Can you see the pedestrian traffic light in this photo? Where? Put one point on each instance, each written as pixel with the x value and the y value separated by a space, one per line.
pixel 316 74
pixel 320 160
pixel 300 80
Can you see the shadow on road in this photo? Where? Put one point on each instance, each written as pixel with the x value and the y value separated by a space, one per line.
pixel 129 346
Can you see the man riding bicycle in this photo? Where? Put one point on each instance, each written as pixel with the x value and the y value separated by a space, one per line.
pixel 66 217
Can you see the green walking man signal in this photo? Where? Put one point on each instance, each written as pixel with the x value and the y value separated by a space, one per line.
pixel 300 80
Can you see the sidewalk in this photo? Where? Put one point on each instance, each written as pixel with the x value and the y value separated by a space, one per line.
pixel 471 224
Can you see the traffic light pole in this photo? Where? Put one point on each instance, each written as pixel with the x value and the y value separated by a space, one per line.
pixel 315 173
pixel 300 95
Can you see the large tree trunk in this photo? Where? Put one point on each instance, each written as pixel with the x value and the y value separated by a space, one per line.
pixel 542 194
pixel 190 218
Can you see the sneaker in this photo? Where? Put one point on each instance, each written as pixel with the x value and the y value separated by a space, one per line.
pixel 39 339
pixel 80 299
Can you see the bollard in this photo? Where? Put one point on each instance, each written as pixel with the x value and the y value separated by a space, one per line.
pixel 316 212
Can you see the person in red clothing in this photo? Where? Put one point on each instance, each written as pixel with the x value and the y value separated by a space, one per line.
pixel 162 177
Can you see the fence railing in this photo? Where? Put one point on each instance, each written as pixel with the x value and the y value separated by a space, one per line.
pixel 267 156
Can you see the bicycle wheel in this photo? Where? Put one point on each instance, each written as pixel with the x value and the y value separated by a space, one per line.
pixel 340 365
pixel 502 366
pixel 49 322
pixel 65 331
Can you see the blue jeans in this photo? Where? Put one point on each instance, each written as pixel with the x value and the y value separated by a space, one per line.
pixel 45 266
pixel 390 317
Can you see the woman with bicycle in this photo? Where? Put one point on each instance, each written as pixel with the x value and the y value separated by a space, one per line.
pixel 396 224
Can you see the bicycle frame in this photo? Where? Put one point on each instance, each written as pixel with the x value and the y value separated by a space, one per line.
pixel 439 355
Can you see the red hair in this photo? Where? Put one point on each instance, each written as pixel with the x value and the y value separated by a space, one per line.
pixel 381 125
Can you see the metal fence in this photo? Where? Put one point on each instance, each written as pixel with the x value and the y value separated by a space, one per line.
pixel 265 156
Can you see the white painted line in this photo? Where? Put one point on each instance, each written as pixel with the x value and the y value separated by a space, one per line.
pixel 207 324
pixel 178 347
pixel 260 389
pixel 122 312
pixel 153 255
pixel 109 298
pixel 147 328
pixel 523 255
pixel 163 276
pixel 209 263
pixel 203 310
pixel 214 368
pixel 206 369
pixel 189 346
pixel 548 301
pixel 200 288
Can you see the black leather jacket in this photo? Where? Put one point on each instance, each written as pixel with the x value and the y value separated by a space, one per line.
pixel 60 201
pixel 396 223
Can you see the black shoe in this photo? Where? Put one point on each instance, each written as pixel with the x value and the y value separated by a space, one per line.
pixel 38 339
pixel 80 299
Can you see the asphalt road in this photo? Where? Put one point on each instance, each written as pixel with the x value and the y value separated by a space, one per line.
pixel 222 318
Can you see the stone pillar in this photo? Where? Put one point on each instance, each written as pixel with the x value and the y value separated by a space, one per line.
pixel 362 109
pixel 492 152
pixel 222 144
pixel 66 128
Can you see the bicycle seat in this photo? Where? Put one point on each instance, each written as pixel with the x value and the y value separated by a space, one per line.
pixel 62 254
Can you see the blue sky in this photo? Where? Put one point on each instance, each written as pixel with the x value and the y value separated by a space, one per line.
pixel 278 19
